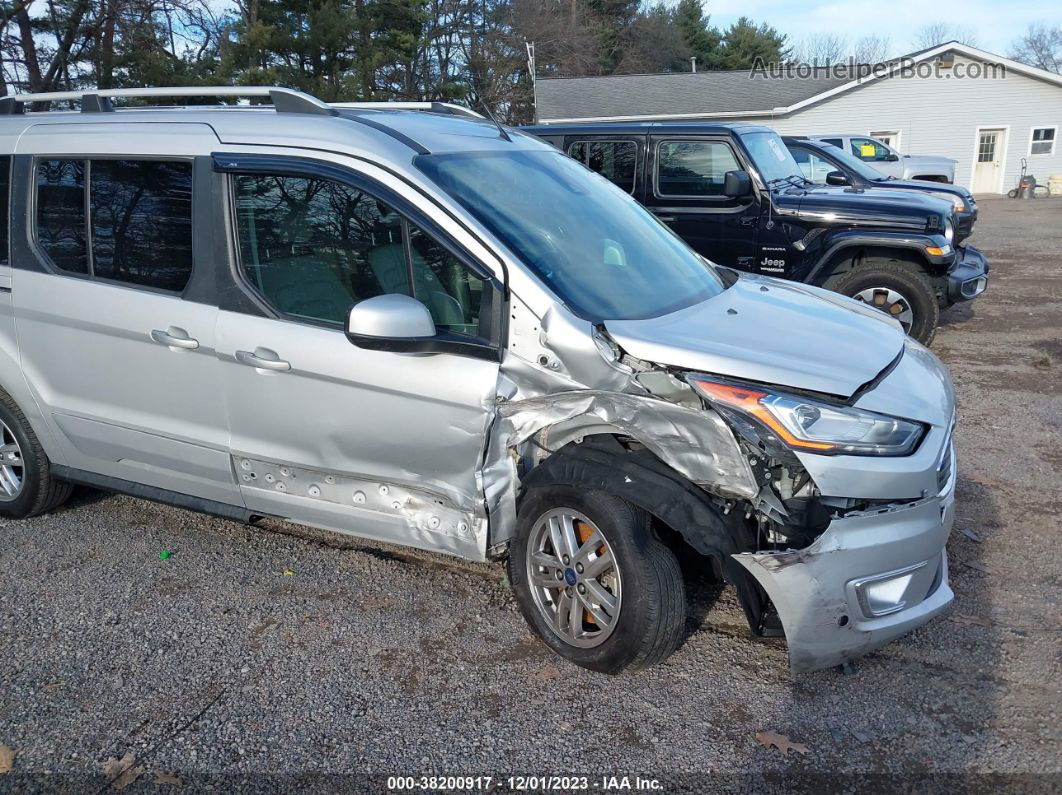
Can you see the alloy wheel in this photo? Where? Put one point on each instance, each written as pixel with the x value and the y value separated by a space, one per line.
pixel 574 578
pixel 10 465
pixel 889 301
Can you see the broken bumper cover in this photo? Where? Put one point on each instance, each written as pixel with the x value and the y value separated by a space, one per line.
pixel 870 578
pixel 968 277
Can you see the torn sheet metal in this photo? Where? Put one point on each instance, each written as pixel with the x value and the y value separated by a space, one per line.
pixel 696 443
pixel 813 588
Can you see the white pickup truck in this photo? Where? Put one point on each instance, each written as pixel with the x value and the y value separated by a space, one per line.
pixel 890 162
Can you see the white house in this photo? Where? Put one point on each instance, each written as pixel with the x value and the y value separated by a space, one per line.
pixel 984 111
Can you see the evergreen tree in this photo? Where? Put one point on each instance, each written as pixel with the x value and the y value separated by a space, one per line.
pixel 745 41
pixel 702 39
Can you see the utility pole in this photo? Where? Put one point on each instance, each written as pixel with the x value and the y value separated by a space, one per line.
pixel 530 45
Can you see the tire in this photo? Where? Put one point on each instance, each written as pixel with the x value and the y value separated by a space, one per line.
pixel 37 491
pixel 879 282
pixel 649 611
pixel 1012 194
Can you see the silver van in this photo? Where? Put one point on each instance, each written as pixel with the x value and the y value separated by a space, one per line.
pixel 416 326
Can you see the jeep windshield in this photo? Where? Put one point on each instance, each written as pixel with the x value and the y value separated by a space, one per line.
pixel 601 252
pixel 771 158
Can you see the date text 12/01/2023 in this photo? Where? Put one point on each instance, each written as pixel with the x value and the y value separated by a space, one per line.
pixel 524 783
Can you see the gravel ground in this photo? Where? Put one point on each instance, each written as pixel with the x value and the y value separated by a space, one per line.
pixel 270 657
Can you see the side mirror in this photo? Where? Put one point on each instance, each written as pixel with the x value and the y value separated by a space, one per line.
pixel 892 157
pixel 390 323
pixel 737 184
pixel 836 178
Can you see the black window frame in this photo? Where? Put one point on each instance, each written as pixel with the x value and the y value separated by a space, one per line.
pixel 5 212
pixel 601 139
pixel 46 260
pixel 494 300
pixel 721 199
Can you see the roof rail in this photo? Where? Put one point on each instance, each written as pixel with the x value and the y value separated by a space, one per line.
pixel 98 100
pixel 448 108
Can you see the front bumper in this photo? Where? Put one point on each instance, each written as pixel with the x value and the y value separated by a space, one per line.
pixel 821 592
pixel 967 276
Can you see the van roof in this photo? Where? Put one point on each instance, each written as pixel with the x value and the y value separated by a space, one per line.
pixel 295 119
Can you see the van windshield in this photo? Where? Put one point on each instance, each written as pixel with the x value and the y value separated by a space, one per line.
pixel 593 245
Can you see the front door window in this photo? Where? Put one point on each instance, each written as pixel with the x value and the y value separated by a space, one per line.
pixel 313 247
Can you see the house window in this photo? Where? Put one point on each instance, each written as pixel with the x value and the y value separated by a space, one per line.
pixel 1043 141
pixel 888 137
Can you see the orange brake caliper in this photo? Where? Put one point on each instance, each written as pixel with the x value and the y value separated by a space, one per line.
pixel 583 533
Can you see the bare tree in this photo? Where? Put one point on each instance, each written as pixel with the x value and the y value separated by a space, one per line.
pixel 942 32
pixel 1040 46
pixel 871 49
pixel 821 50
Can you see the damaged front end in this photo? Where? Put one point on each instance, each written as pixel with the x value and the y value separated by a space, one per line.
pixel 840 549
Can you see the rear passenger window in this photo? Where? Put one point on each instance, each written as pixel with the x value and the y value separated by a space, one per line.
pixel 693 168
pixel 5 187
pixel 313 247
pixel 614 160
pixel 61 213
pixel 141 213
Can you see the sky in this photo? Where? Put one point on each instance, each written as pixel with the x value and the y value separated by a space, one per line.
pixel 995 23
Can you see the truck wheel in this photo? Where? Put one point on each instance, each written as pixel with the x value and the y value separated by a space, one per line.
pixel 594 582
pixel 27 487
pixel 899 292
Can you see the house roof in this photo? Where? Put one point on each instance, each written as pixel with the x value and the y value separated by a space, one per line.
pixel 720 95
pixel 568 98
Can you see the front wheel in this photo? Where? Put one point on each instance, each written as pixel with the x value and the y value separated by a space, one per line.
pixel 594 582
pixel 898 291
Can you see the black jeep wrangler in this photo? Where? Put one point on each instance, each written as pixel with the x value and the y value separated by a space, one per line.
pixel 736 195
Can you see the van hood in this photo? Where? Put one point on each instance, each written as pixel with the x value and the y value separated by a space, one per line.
pixel 770 331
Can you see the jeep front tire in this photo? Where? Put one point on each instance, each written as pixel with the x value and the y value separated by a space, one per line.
pixel 897 290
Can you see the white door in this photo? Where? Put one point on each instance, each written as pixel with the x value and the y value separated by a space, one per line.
pixel 989 161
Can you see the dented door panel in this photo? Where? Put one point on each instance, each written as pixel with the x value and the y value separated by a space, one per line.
pixel 369 420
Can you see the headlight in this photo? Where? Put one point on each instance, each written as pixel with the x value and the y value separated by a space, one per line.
pixel 956 201
pixel 809 425
pixel 949 230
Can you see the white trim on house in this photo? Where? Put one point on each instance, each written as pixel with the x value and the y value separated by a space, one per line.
pixel 894 67
pixel 1054 140
pixel 1000 147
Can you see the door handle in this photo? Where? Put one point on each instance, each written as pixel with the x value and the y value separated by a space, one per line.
pixel 667 219
pixel 262 363
pixel 174 337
